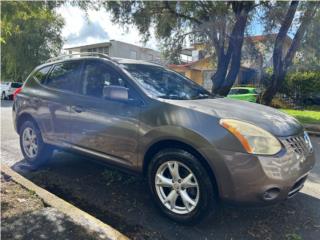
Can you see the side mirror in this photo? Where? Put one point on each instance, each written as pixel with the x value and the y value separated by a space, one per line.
pixel 115 93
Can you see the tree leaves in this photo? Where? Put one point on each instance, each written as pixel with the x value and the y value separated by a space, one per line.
pixel 31 33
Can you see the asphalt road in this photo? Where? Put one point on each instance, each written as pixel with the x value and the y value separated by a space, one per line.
pixel 123 201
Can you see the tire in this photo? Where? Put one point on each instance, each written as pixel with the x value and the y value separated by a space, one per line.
pixel 203 197
pixel 3 96
pixel 39 157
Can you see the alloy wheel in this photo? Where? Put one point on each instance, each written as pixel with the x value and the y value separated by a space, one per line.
pixel 177 187
pixel 29 142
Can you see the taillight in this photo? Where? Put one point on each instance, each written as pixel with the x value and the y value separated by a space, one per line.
pixel 16 92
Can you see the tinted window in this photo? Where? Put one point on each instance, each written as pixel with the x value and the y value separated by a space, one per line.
pixel 16 85
pixel 165 83
pixel 233 91
pixel 64 76
pixel 96 76
pixel 243 91
pixel 41 74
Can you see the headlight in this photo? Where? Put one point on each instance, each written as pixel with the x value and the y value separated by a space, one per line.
pixel 254 139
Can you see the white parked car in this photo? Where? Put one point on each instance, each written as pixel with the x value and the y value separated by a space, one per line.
pixel 8 88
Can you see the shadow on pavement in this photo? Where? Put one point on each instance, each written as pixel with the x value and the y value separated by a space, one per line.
pixel 123 201
pixel 46 223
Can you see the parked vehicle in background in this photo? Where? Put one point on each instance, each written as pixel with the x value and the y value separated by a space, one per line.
pixel 249 94
pixel 7 89
pixel 193 147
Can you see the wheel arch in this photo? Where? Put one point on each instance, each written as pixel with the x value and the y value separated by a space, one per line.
pixel 23 118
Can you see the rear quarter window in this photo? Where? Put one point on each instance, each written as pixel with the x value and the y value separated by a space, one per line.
pixel 41 74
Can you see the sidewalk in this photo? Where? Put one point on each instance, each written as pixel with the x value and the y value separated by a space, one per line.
pixel 26 214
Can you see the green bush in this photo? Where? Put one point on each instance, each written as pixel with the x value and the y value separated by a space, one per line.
pixel 299 85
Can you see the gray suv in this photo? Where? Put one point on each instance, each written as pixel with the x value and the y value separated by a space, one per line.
pixel 193 147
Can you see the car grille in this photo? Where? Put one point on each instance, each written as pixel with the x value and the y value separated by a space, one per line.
pixel 297 144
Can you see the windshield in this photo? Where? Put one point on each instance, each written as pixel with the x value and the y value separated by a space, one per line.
pixel 164 83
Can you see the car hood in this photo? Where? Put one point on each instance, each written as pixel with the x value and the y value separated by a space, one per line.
pixel 270 119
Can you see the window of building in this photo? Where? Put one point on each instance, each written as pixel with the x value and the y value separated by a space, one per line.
pixel 106 50
pixel 133 54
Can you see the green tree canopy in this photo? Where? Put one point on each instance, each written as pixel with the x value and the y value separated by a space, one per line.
pixel 31 33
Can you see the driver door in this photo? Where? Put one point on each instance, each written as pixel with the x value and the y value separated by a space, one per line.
pixel 104 126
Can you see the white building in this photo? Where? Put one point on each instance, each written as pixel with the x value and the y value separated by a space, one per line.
pixel 119 49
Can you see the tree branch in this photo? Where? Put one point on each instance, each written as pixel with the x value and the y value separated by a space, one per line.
pixel 174 12
pixel 278 47
pixel 306 19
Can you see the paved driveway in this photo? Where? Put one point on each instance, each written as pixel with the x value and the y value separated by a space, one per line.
pixel 123 201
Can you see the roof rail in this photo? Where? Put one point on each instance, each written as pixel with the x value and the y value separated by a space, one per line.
pixel 85 54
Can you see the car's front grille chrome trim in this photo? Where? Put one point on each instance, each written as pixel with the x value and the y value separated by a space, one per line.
pixel 296 144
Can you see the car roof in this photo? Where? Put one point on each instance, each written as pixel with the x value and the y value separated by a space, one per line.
pixel 116 60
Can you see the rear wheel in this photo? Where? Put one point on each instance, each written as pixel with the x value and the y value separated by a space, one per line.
pixel 3 96
pixel 181 186
pixel 34 150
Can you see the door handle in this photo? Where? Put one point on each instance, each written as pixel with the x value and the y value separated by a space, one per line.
pixel 77 109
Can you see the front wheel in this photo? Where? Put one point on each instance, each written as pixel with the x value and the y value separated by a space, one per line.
pixel 34 150
pixel 181 186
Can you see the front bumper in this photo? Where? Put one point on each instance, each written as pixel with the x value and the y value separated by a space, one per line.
pixel 261 180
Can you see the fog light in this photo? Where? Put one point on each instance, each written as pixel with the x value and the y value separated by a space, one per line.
pixel 271 194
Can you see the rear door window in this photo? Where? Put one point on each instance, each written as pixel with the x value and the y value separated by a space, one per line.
pixel 64 76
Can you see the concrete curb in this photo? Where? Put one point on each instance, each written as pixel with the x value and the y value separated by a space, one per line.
pixel 78 216
pixel 312 129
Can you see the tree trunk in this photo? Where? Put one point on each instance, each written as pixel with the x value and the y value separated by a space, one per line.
pixel 278 66
pixel 236 41
pixel 222 79
pixel 220 74
pixel 276 81
pixel 280 63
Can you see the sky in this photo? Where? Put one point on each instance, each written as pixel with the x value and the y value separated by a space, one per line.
pixel 96 27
